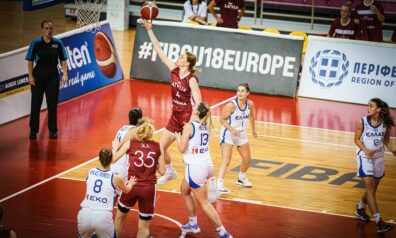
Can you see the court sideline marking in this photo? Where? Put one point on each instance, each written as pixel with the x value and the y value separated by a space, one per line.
pixel 87 162
pixel 241 200
pixel 234 199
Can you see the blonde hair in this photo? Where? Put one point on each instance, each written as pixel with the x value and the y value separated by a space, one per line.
pixel 145 130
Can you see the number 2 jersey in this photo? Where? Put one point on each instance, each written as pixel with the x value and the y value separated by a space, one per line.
pixel 100 190
pixel 373 138
pixel 143 161
pixel 197 151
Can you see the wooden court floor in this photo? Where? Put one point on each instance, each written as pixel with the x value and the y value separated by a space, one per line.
pixel 302 169
pixel 303 176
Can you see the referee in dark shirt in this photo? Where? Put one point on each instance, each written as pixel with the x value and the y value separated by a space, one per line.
pixel 44 77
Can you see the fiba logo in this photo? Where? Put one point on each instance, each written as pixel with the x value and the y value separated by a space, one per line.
pixel 329 68
pixel 105 55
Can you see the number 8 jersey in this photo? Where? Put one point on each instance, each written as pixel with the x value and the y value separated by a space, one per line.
pixel 100 190
pixel 198 146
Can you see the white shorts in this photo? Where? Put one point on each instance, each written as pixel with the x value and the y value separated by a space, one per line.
pixel 90 221
pixel 227 137
pixel 368 167
pixel 197 174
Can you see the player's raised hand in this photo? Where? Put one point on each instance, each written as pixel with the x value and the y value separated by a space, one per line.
pixel 146 24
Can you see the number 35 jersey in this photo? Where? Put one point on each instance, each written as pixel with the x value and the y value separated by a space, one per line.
pixel 198 145
pixel 373 138
pixel 100 190
pixel 143 161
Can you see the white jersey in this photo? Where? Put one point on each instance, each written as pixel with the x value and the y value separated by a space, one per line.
pixel 121 166
pixel 100 190
pixel 198 145
pixel 239 118
pixel 373 138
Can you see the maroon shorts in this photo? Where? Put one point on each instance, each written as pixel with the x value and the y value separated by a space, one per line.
pixel 145 196
pixel 177 121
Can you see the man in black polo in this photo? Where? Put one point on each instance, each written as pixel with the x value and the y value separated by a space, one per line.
pixel 44 77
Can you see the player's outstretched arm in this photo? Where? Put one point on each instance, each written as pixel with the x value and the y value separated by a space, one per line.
pixel 125 188
pixel 196 93
pixel 359 143
pixel 387 142
pixel 252 118
pixel 157 47
pixel 117 154
pixel 130 135
pixel 182 140
pixel 225 114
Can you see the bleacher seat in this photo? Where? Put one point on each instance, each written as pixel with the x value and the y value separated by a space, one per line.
pixel 245 28
pixel 272 30
pixel 303 34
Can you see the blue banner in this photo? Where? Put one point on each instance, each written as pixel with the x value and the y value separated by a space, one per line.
pixel 92 62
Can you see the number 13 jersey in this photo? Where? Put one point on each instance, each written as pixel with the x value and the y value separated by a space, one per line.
pixel 198 145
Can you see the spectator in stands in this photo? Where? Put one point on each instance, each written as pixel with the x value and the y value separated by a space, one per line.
pixel 393 39
pixel 231 11
pixel 343 27
pixel 3 231
pixel 195 10
pixel 370 13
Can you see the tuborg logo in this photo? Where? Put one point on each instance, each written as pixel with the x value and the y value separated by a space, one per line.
pixel 328 68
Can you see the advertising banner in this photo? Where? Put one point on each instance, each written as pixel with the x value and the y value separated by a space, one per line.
pixel 269 63
pixel 349 71
pixel 92 63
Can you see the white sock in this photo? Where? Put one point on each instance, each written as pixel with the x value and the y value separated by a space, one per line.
pixel 212 184
pixel 221 230
pixel 193 220
pixel 242 175
pixel 169 169
pixel 377 217
pixel 361 205
pixel 220 182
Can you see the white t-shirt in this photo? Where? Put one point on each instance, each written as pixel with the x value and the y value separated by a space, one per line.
pixel 189 10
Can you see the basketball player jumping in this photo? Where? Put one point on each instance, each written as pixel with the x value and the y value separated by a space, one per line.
pixel 184 86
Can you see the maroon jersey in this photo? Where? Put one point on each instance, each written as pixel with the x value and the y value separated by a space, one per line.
pixel 181 91
pixel 394 36
pixel 374 26
pixel 143 161
pixel 229 12
pixel 345 31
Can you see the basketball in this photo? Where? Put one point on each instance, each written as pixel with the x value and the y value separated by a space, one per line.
pixel 149 11
pixel 104 53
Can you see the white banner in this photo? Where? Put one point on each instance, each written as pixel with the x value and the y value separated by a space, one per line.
pixel 349 70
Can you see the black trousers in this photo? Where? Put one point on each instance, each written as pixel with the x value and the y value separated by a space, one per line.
pixel 49 86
